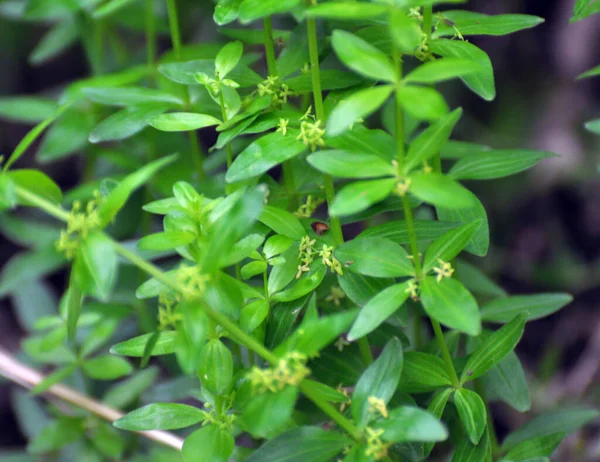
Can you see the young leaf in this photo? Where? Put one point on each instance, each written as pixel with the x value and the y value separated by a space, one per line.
pixel 251 10
pixel 375 256
pixel 166 240
pixel 362 57
pixel 378 309
pixel 449 245
pixel 96 266
pixel 472 413
pixel 431 141
pixel 127 122
pixel 471 23
pixel 37 183
pixel 451 304
pixel 350 11
pixel 216 367
pixel 379 380
pixel 405 31
pixel 440 191
pixel 228 58
pixel 423 103
pixel 117 198
pixel 480 82
pixel 442 69
pixel 300 445
pixel 423 372
pixel 358 196
pixel 539 306
pixel 494 348
pixel 282 222
pixel 566 419
pixel 129 96
pixel 135 347
pixel 408 423
pixel 345 164
pixel 214 443
pixel 182 121
pixel 496 164
pixel 593 126
pixel 253 315
pixel 160 416
pixel 226 11
pixel 106 367
pixel 541 446
pixel 306 284
pixel 263 154
pixel 352 109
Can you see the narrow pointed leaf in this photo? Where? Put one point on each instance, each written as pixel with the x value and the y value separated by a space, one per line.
pixel 472 413
pixel 358 196
pixel 539 306
pixel 449 245
pixel 346 164
pixel 423 103
pixel 375 256
pixel 161 416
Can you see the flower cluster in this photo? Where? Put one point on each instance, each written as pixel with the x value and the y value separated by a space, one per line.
pixel 377 406
pixel 311 134
pixel 413 290
pixel 290 370
pixel 444 270
pixel 307 209
pixel 375 447
pixel 402 187
pixel 280 91
pixel 167 317
pixel 306 253
pixel 336 295
pixel 192 281
pixel 326 254
pixel 80 223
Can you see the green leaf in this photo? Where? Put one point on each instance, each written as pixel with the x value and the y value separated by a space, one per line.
pixel 405 32
pixel 436 408
pixel 96 266
pixel 182 121
pixel 186 72
pixel 251 10
pixel 356 106
pixel 331 79
pixel 129 96
pixel 24 267
pixel 423 372
pixel 468 452
pixel 211 442
pixel 253 315
pixel 117 198
pixel 423 103
pixel 541 446
pixel 99 335
pixel 494 348
pixel 397 231
pixel 378 309
pixel 228 58
pixel 124 393
pixel 481 241
pixel 443 69
pixel 226 11
pixel 59 38
pixel 408 423
pixel 471 23
pixel 263 154
pixel 496 164
pixel 306 284
pixel 441 191
pixel 348 11
pixel 539 306
pixel 56 377
pixel 106 367
pixel 449 245
pixel 472 413
pixel 166 240
pixel 345 164
pixel 359 196
pixel 375 256
pixel 507 382
pixel 314 335
pixel 325 392
pixel 252 269
pixel 431 141
pixel 267 413
pixel 8 193
pixel 593 126
pixel 379 380
pixel 160 416
pixel 108 441
pixel 73 302
pixel 216 367
pixel 451 304
pixel 591 73
pixel 135 346
pixel 282 222
pixel 301 444
pixel 362 57
pixel 110 7
pixel 67 136
pixel 56 435
pixel 477 281
pixel 27 109
pixel 566 419
pixel 126 122
pixel 360 289
pixel 481 82
pixel 37 183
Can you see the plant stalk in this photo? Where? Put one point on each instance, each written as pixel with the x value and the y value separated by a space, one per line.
pixel 150 35
pixel 439 335
pixel 174 27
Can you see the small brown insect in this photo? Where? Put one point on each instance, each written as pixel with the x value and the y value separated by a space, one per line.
pixel 319 227
pixel 469 372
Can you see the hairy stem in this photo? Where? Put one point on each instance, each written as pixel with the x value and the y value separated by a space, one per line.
pixel 19 373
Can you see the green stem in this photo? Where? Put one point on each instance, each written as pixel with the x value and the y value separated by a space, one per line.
pixel 269 46
pixel 174 27
pixel 88 31
pixel 150 34
pixel 412 235
pixel 439 335
pixel 313 49
pixel 234 332
pixel 399 115
pixel 428 20
pixel 224 116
